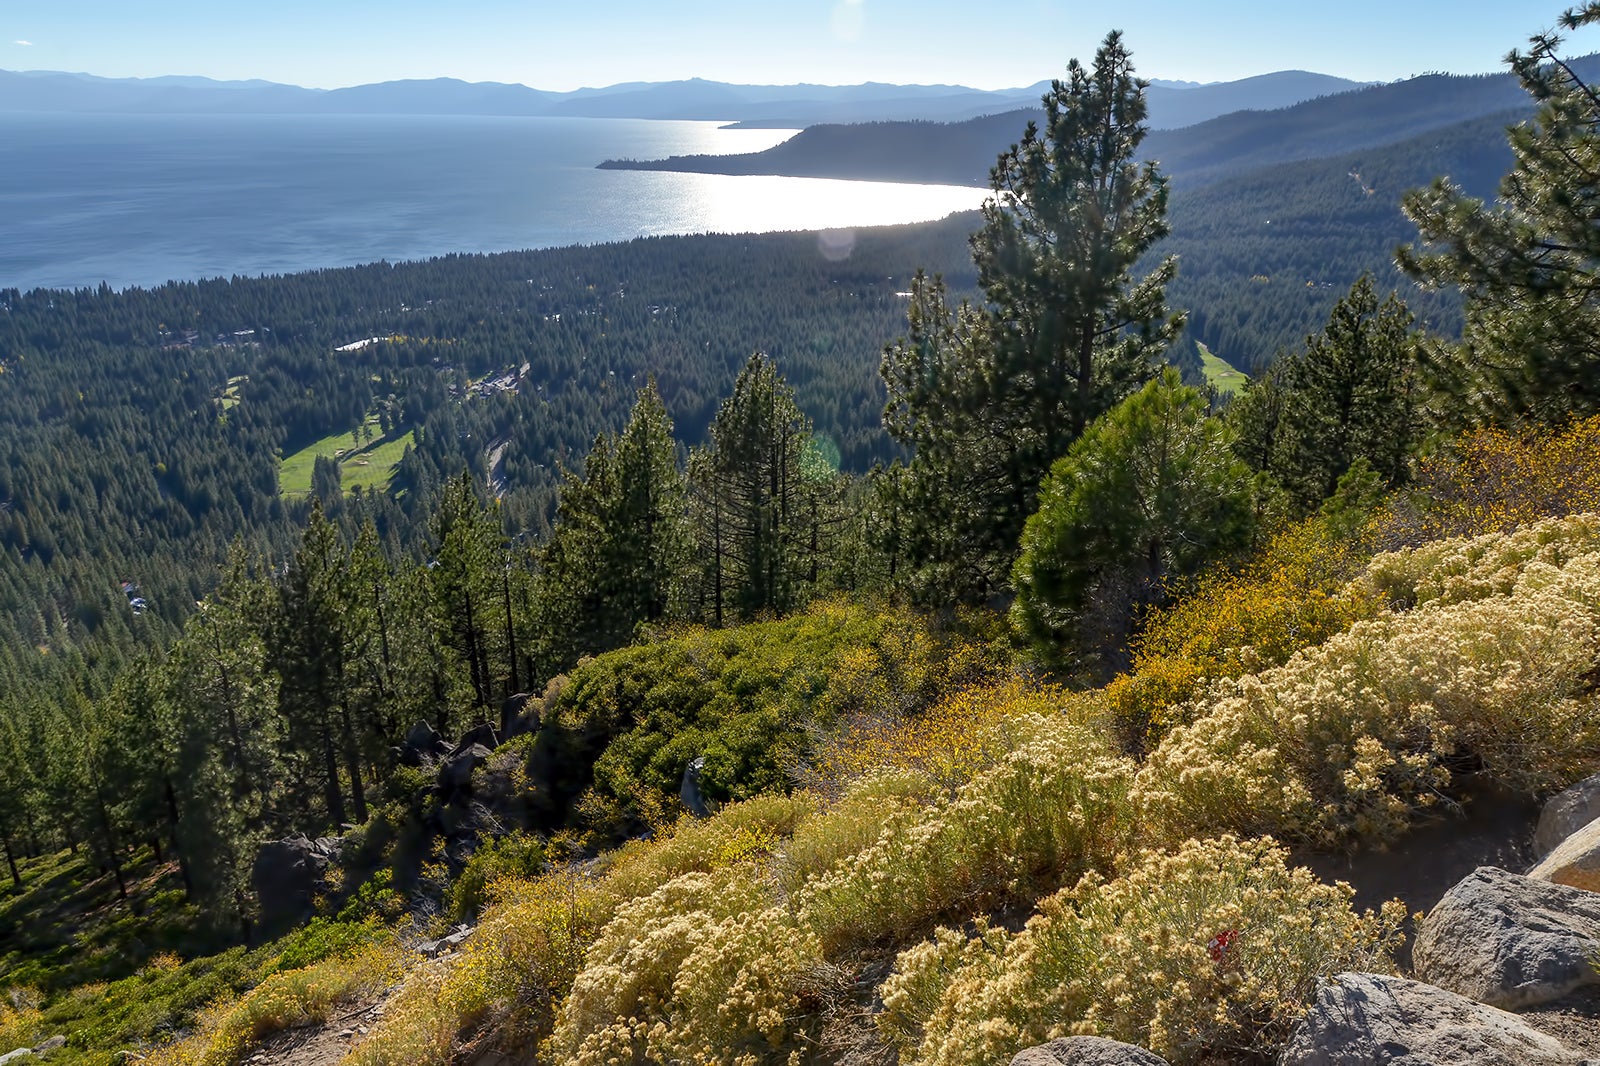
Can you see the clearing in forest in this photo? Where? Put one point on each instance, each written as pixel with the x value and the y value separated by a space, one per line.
pixel 1221 374
pixel 370 463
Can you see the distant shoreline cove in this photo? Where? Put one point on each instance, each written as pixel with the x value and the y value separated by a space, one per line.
pixel 915 153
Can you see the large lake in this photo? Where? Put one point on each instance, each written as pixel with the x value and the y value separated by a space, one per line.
pixel 138 200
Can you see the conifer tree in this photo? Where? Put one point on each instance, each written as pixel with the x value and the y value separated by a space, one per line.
pixel 1348 396
pixel 1149 492
pixel 752 498
pixel 17 794
pixel 309 649
pixel 220 680
pixel 1528 264
pixel 620 546
pixel 988 398
pixel 465 583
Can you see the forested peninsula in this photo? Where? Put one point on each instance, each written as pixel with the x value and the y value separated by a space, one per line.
pixel 1019 638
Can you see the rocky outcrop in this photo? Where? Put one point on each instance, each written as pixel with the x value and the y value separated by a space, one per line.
pixel 689 791
pixel 288 874
pixel 422 743
pixel 482 733
pixel 1509 940
pixel 455 772
pixel 520 714
pixel 1363 1019
pixel 1087 1051
pixel 1576 862
pixel 1566 813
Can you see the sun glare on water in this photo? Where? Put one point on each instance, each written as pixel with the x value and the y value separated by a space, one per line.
pixel 714 203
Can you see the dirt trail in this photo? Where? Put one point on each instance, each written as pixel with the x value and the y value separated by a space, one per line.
pixel 318 1043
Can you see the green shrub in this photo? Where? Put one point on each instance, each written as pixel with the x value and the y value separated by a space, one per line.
pixel 323 938
pixel 515 855
pixel 626 724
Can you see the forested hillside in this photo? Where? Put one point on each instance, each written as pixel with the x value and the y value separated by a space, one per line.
pixel 143 429
pixel 962 152
pixel 1265 254
pixel 812 649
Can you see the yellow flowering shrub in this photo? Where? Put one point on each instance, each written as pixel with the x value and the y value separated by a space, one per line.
pixel 1462 569
pixel 965 732
pixel 1494 480
pixel 511 973
pixel 740 832
pixel 702 970
pixel 1293 595
pixel 1056 807
pixel 1352 737
pixel 853 822
pixel 1208 954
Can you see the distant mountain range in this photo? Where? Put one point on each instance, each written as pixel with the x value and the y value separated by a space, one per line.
pixel 1172 104
pixel 1218 147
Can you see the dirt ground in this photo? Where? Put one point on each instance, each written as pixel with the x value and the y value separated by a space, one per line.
pixel 1494 828
pixel 318 1044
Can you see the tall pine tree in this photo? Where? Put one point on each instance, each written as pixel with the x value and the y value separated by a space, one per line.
pixel 1529 264
pixel 619 550
pixel 1348 396
pixel 989 398
pixel 753 500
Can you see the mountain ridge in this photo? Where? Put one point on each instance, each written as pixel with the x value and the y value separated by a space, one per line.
pixel 962 153
pixel 782 106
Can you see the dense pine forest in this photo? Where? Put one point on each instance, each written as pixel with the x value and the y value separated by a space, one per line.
pixel 894 646
pixel 144 429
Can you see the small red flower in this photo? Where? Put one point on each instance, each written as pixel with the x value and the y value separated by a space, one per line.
pixel 1218 946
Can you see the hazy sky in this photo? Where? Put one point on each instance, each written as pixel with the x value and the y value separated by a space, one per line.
pixel 564 44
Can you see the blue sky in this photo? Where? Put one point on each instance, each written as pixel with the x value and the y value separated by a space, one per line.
pixel 569 43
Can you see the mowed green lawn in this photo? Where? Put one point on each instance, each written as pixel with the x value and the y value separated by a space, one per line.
pixel 1224 378
pixel 370 465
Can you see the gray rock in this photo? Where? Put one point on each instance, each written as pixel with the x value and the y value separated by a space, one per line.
pixel 1087 1051
pixel 519 714
pixel 16 1056
pixel 1575 862
pixel 1566 813
pixel 1365 1019
pixel 482 733
pixel 446 944
pixel 689 791
pixel 1510 941
pixel 455 773
pixel 47 1046
pixel 449 820
pixel 421 742
pixel 288 873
